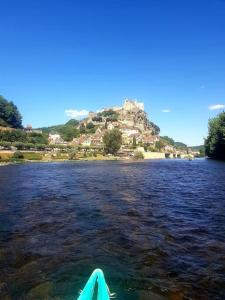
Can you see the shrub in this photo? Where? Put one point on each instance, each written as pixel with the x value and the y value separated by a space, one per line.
pixel 40 146
pixel 17 135
pixel 18 145
pixel 97 119
pixel 17 155
pixel 5 145
pixel 138 155
pixel 32 156
pixel 73 155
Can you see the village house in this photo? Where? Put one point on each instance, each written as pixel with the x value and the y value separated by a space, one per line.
pixel 110 126
pixel 29 129
pixel 150 139
pixel 87 142
pixel 169 148
pixel 55 138
pixel 97 137
pixel 128 131
pixel 128 134
pixel 82 140
pixel 97 140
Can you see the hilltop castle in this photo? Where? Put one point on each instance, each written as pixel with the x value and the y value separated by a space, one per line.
pixel 129 105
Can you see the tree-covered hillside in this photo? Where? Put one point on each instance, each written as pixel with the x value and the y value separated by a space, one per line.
pixel 67 131
pixel 9 114
pixel 169 141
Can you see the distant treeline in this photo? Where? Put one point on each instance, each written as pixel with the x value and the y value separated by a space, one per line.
pixel 169 141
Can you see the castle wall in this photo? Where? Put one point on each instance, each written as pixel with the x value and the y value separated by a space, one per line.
pixel 131 105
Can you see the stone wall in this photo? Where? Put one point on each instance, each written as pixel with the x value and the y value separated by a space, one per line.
pixel 154 155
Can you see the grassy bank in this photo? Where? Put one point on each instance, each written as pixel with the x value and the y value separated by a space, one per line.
pixel 7 157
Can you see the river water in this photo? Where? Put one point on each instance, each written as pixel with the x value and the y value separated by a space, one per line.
pixel 154 227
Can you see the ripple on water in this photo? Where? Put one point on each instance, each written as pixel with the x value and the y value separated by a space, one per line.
pixel 155 227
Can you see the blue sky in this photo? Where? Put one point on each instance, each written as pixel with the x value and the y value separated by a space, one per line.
pixel 85 55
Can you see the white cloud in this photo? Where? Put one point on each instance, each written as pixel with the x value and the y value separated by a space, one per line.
pixel 73 113
pixel 166 110
pixel 100 110
pixel 216 106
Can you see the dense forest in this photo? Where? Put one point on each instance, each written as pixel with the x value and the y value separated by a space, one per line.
pixel 9 114
pixel 215 142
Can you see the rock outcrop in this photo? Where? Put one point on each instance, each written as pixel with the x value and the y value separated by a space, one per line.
pixel 130 115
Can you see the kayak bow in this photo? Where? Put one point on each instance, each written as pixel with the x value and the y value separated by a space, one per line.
pixel 103 292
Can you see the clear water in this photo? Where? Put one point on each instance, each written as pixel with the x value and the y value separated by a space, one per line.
pixel 154 227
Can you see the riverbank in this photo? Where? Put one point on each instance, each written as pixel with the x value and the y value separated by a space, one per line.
pixel 10 160
pixel 15 157
pixel 21 161
pixel 5 163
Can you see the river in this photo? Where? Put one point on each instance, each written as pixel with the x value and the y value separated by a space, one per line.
pixel 155 228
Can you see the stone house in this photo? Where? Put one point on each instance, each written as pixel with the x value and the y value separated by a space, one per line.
pixel 55 138
pixel 169 148
pixel 82 140
pixel 149 139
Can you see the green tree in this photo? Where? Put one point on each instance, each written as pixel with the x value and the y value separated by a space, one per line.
pixel 17 135
pixel 97 119
pixel 112 141
pixel 134 142
pixel 67 131
pixel 9 114
pixel 37 138
pixel 82 128
pixel 159 145
pixel 90 125
pixel 90 128
pixel 156 129
pixel 215 142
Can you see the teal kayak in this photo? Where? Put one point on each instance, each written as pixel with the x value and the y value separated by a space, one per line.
pixel 103 293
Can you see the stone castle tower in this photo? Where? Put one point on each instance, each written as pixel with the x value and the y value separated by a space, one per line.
pixel 133 105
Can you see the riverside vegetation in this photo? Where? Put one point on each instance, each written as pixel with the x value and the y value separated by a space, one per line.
pixel 111 130
pixel 215 142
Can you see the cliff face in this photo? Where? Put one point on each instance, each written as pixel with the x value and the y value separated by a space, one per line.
pixel 135 118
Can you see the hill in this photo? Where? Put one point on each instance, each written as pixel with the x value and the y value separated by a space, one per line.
pixel 130 119
pixel 131 116
pixel 67 131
